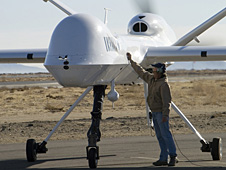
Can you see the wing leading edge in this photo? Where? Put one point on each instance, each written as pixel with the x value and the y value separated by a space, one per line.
pixel 23 56
pixel 184 53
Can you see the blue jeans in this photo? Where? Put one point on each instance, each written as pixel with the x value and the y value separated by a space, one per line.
pixel 164 136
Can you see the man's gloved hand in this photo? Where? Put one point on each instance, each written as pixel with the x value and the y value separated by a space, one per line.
pixel 129 56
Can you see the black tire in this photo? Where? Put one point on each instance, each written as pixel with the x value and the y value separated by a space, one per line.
pixel 92 157
pixel 31 150
pixel 216 150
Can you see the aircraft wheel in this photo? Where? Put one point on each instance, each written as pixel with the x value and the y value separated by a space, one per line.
pixel 216 149
pixel 92 157
pixel 31 150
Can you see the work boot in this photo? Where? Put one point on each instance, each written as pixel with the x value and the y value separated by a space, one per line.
pixel 160 163
pixel 173 161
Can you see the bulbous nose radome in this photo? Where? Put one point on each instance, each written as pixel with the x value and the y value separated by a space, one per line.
pixel 77 54
pixel 80 37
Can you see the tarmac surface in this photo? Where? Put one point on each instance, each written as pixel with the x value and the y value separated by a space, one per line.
pixel 21 84
pixel 115 153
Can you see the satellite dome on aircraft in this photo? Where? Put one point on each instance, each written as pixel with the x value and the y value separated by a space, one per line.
pixel 146 24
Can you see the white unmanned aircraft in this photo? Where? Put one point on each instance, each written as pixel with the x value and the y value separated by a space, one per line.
pixel 84 53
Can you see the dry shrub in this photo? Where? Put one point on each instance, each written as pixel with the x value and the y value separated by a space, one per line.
pixel 208 91
pixel 200 89
pixel 212 97
pixel 54 97
pixel 53 109
pixel 132 95
pixel 2 89
pixel 200 92
pixel 140 103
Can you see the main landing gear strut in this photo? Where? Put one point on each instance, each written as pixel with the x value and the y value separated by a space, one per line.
pixel 215 147
pixel 94 135
pixel 33 148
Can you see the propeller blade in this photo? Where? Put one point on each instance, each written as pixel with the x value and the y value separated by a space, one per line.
pixel 145 6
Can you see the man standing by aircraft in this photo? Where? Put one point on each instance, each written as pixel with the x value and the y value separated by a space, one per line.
pixel 159 101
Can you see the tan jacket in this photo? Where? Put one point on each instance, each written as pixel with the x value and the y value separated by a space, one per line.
pixel 159 95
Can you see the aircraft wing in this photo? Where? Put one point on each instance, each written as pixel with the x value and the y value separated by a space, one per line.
pixel 179 52
pixel 23 56
pixel 184 53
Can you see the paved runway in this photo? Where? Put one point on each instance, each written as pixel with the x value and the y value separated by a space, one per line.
pixel 21 84
pixel 116 153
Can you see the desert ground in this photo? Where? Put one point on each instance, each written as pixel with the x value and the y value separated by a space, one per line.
pixel 31 112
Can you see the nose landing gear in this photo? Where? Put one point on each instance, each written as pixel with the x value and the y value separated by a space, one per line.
pixel 94 133
pixel 92 156
pixel 92 149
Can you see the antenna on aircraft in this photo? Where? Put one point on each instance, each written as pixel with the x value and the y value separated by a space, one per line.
pixel 106 15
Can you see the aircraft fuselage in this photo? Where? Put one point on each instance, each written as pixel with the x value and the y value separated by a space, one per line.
pixel 83 52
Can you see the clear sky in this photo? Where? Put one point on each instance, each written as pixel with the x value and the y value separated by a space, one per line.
pixel 30 23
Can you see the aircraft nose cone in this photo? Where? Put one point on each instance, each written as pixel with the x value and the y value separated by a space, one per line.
pixel 79 36
pixel 77 54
